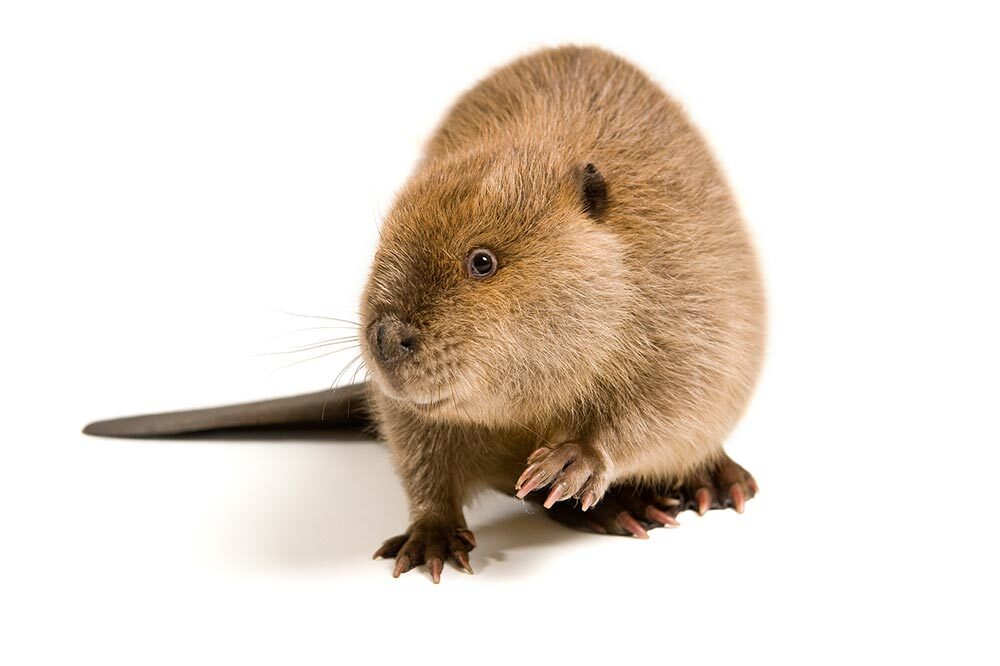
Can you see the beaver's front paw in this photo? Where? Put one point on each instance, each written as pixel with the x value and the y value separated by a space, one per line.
pixel 430 545
pixel 571 469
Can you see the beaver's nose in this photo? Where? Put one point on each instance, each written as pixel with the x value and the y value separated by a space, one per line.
pixel 394 340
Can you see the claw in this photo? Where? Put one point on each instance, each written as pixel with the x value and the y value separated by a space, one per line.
pixel 661 517
pixel 538 453
pixel 752 485
pixel 588 501
pixel 626 520
pixel 704 499
pixel 555 495
pixel 435 565
pixel 402 566
pixel 463 560
pixel 467 536
pixel 390 547
pixel 739 500
pixel 596 526
pixel 524 476
pixel 527 488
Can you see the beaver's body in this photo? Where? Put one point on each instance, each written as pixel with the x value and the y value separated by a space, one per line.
pixel 636 335
pixel 565 277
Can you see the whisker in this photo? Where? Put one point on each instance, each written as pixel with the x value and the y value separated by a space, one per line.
pixel 311 358
pixel 333 386
pixel 344 369
pixel 353 377
pixel 308 316
pixel 312 328
pixel 313 345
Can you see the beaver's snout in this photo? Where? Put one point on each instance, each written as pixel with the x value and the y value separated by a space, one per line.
pixel 393 340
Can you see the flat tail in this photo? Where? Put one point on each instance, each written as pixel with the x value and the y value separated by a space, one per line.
pixel 343 408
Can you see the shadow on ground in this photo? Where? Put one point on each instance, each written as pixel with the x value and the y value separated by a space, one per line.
pixel 330 499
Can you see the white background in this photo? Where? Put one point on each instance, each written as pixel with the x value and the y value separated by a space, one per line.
pixel 172 175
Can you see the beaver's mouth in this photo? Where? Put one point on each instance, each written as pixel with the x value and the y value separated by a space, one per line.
pixel 397 388
pixel 423 403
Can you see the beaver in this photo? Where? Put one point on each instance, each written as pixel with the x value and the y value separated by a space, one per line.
pixel 564 305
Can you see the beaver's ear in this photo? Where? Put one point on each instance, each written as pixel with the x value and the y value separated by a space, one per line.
pixel 593 191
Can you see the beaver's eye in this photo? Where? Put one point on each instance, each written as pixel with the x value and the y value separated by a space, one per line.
pixel 481 263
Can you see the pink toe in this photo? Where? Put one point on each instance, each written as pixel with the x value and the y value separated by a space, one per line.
pixel 554 496
pixel 739 499
pixel 527 488
pixel 626 520
pixel 704 499
pixel 436 566
pixel 661 517
pixel 538 453
pixel 524 476
pixel 402 566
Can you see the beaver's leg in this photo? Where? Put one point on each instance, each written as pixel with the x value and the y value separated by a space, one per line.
pixel 630 510
pixel 623 510
pixel 437 479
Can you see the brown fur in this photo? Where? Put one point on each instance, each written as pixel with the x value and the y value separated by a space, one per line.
pixel 637 335
pixel 608 356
